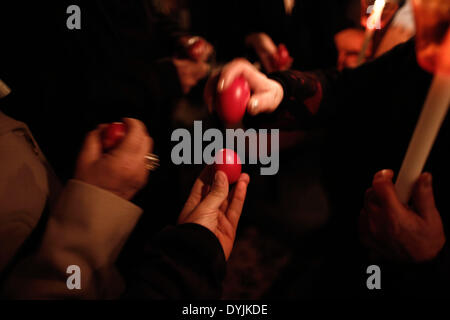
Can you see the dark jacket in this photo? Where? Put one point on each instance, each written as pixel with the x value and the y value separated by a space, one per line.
pixel 308 33
pixel 372 112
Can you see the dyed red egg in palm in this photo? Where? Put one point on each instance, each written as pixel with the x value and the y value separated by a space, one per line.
pixel 113 134
pixel 229 162
pixel 233 101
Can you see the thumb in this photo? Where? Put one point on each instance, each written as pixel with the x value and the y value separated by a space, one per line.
pixel 218 193
pixel 423 198
pixel 261 103
pixel 384 190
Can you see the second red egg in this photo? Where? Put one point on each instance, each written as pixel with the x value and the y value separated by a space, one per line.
pixel 113 134
pixel 229 162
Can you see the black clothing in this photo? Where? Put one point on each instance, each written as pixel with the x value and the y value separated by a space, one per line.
pixel 182 262
pixel 65 82
pixel 372 112
pixel 308 33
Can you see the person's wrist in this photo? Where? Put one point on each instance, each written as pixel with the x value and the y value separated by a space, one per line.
pixel 124 194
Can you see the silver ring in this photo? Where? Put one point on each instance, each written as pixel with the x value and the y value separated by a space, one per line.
pixel 151 162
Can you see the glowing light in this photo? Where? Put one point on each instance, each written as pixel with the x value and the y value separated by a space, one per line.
pixel 374 20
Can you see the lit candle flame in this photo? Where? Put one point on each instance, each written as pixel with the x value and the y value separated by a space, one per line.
pixel 374 20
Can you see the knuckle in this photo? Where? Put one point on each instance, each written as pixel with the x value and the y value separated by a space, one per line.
pixel 218 192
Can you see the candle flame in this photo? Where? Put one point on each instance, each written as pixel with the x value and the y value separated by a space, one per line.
pixel 374 20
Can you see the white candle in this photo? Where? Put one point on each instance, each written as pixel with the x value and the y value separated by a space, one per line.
pixel 430 121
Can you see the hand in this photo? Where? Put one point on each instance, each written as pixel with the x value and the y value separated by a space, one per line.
pixel 196 48
pixel 348 44
pixel 264 47
pixel 267 94
pixel 396 231
pixel 122 169
pixel 190 72
pixel 211 205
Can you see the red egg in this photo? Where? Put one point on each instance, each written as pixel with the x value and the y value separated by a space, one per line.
pixel 283 54
pixel 229 162
pixel 113 134
pixel 282 59
pixel 232 102
pixel 197 50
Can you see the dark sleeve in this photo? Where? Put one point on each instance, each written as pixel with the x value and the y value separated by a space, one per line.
pixel 440 268
pixel 304 93
pixel 324 93
pixel 182 262
pixel 428 280
pixel 167 26
pixel 152 84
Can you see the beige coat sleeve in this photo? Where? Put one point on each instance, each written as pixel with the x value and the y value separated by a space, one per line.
pixel 87 228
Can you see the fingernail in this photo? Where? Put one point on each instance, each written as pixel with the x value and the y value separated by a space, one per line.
pixel 383 174
pixel 253 105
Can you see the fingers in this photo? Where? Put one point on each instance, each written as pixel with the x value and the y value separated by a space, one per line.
pixel 134 139
pixel 265 101
pixel 217 194
pixel 371 203
pixel 384 190
pixel 423 198
pixel 266 96
pixel 197 192
pixel 237 200
pixel 267 62
pixel 240 67
pixel 92 147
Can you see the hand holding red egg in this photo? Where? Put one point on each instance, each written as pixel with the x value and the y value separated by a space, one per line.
pixel 263 95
